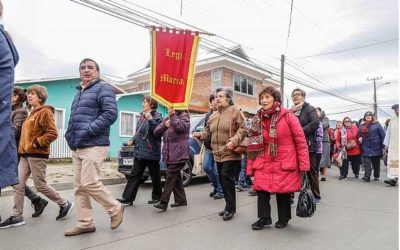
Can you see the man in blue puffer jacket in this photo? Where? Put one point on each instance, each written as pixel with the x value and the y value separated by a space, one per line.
pixel 93 111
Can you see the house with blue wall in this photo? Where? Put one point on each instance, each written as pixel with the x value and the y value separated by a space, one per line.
pixel 61 92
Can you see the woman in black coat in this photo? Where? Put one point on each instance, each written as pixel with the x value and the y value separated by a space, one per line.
pixel 146 152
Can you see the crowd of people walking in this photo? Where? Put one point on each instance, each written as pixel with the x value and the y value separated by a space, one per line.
pixel 281 145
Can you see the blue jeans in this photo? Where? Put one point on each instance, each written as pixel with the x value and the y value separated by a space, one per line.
pixel 211 170
pixel 244 181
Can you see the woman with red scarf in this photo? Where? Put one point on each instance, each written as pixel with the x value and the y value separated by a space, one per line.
pixel 346 141
pixel 371 136
pixel 277 153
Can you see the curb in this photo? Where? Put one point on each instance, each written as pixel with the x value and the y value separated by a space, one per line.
pixel 70 185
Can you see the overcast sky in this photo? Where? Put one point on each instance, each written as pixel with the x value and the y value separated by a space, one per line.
pixel 52 36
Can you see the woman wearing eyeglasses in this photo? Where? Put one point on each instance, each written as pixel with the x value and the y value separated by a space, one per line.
pixel 371 136
pixel 347 141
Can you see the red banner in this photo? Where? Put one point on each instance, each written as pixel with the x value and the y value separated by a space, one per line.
pixel 172 66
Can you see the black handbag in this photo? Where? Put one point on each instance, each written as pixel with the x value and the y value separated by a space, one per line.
pixel 306 205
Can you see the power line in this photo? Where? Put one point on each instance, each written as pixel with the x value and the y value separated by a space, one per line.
pixel 355 48
pixel 346 111
pixel 215 46
pixel 290 23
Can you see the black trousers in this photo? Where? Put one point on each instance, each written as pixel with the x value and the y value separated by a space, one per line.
pixel 264 208
pixel 355 165
pixel 174 184
pixel 227 175
pixel 375 161
pixel 313 175
pixel 134 180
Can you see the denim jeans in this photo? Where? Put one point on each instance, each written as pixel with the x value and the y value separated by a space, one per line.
pixel 244 181
pixel 211 170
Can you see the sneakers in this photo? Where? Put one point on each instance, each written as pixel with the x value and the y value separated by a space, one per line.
pixel 391 182
pixel 376 179
pixel 239 188
pixel 366 179
pixel 218 196
pixel 292 202
pixel 342 178
pixel 65 211
pixel 281 224
pixel 228 215
pixel 357 177
pixel 77 231
pixel 149 202
pixel 252 193
pixel 261 223
pixel 39 205
pixel 116 220
pixel 13 221
pixel 213 193
pixel 179 204
pixel 126 202
pixel 323 178
pixel 161 205
pixel 317 201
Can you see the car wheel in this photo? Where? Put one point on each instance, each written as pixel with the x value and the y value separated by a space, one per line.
pixel 187 173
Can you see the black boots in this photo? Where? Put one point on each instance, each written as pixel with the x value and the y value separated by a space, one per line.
pixel 38 204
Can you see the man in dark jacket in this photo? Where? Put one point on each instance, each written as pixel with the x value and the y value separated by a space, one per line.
pixel 93 111
pixel 8 151
pixel 309 120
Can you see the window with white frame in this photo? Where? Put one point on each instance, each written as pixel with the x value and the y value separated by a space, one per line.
pixel 59 118
pixel 146 86
pixel 243 85
pixel 127 123
pixel 216 79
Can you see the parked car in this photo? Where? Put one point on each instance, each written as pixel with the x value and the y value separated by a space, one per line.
pixel 126 158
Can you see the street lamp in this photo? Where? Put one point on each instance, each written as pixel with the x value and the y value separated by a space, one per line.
pixel 375 98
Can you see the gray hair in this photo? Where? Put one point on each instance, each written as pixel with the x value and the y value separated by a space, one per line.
pixel 228 93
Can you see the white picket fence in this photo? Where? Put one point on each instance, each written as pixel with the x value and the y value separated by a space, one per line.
pixel 59 148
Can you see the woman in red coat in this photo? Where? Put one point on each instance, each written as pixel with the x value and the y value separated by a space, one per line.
pixel 347 142
pixel 277 153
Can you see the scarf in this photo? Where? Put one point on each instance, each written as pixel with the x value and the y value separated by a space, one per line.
pixel 365 129
pixel 343 141
pixel 297 109
pixel 256 142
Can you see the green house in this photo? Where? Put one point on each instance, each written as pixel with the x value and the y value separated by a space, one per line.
pixel 61 92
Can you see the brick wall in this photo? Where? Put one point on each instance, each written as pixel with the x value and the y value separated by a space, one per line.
pixel 203 84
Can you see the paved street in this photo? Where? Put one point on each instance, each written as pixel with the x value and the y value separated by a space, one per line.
pixel 352 215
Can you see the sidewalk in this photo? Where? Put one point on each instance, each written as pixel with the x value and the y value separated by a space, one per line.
pixel 60 175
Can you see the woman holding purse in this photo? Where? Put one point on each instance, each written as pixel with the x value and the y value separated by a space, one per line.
pixel 347 142
pixel 147 152
pixel 277 153
pixel 227 129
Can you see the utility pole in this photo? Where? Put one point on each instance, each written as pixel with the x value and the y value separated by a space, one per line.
pixel 375 99
pixel 282 77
